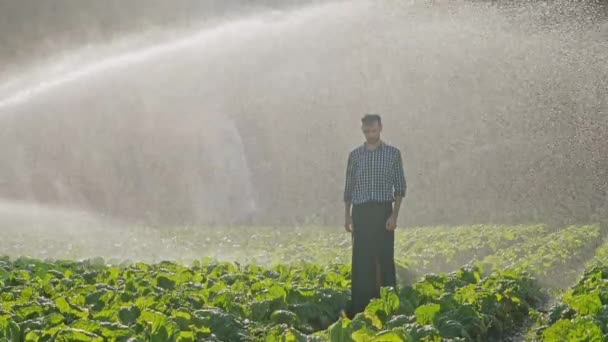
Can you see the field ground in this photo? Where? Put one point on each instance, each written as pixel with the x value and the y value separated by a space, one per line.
pixel 469 283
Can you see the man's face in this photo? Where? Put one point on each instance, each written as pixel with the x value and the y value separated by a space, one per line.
pixel 372 132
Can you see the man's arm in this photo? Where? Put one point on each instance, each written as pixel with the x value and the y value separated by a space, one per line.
pixel 400 187
pixel 348 219
pixel 399 177
pixel 397 206
pixel 348 194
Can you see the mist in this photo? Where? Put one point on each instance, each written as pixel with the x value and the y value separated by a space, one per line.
pixel 500 113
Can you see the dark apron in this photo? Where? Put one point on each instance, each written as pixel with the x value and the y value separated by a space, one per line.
pixel 373 263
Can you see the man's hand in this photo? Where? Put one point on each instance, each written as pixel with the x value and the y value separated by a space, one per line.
pixel 348 224
pixel 391 223
pixel 348 217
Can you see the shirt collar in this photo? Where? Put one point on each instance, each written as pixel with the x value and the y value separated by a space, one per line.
pixel 381 145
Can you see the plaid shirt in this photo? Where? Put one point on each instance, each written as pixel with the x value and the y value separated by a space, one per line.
pixel 375 175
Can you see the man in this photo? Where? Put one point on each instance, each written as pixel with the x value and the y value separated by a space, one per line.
pixel 375 186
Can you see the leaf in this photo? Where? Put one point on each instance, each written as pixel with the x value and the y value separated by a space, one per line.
pixel 9 330
pixel 408 301
pixel 199 332
pixel 577 330
pixel 375 311
pixel 225 326
pixel 260 310
pixel 282 333
pixel 275 291
pixel 86 325
pixel 388 336
pixel 111 275
pixel 25 295
pixel 363 334
pixel 339 331
pixel 27 311
pixel 584 304
pixel 32 324
pixel 52 320
pixel 94 298
pixel 155 318
pixel 284 317
pixel 186 336
pixel 129 314
pixel 33 336
pixel 106 316
pixel 66 308
pixel 160 334
pixel 391 300
pixel 183 318
pixel 274 334
pixel 77 335
pixel 426 314
pixel 397 321
pixel 453 328
pixel 4 274
pixel 115 331
pixel 419 332
pixel 380 309
pixel 166 281
pixel 145 302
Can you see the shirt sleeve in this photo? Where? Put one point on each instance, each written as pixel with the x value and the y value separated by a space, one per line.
pixel 349 183
pixel 399 177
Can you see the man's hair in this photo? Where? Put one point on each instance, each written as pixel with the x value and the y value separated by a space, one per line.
pixel 369 119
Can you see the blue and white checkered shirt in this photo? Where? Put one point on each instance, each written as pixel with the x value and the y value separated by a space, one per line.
pixel 374 175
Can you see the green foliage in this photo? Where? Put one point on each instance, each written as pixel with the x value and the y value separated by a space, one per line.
pixel 582 314
pixel 168 301
pixel 489 298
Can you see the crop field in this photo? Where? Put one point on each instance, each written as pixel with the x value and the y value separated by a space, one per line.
pixel 468 283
